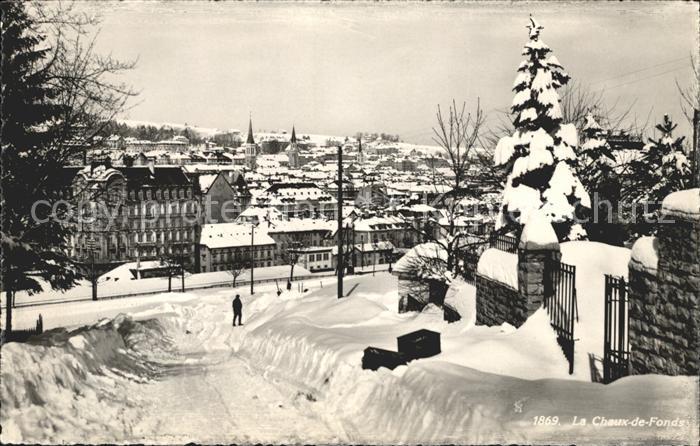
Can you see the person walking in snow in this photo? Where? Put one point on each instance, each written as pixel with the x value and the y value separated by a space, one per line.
pixel 237 310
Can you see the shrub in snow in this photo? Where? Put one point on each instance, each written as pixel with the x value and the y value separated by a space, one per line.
pixel 540 156
pixel 596 158
pixel 663 167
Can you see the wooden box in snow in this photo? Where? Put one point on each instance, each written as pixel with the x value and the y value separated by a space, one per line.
pixel 374 358
pixel 419 344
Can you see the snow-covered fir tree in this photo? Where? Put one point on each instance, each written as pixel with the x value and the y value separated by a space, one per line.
pixel 596 158
pixel 541 155
pixel 663 167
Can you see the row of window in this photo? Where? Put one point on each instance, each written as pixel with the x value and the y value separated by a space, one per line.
pixel 319 257
pixel 227 267
pixel 160 194
pixel 229 255
pixel 151 236
pixel 162 209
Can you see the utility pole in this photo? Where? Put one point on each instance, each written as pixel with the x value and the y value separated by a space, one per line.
pixel 93 275
pixel 696 148
pixel 341 265
pixel 182 268
pixel 170 274
pixel 252 256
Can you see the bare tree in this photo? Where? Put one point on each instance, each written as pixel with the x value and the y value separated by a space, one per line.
pixel 57 94
pixel 238 264
pixel 457 134
pixel 291 256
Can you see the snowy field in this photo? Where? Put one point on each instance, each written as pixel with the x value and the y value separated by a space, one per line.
pixel 174 370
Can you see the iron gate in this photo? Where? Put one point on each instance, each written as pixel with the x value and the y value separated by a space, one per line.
pixel 616 348
pixel 560 302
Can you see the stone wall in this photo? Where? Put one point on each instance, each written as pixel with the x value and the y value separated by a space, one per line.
pixel 664 308
pixel 497 303
pixel 643 308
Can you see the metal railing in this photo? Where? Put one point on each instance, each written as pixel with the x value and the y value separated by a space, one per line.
pixel 504 242
pixel 560 302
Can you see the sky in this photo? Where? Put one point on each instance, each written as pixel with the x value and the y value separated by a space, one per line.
pixel 376 67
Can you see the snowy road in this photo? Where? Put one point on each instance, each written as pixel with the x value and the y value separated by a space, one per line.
pixel 226 402
pixel 216 395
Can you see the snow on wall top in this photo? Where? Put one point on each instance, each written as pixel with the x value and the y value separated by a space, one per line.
pixel 684 204
pixel 538 234
pixel 645 255
pixel 500 266
pixel 426 261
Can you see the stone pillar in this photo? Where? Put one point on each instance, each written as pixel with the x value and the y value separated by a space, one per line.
pixel 538 247
pixel 532 275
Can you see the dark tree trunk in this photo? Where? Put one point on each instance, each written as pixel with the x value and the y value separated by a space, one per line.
pixel 8 312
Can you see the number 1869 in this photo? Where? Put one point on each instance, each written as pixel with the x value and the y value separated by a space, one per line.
pixel 545 421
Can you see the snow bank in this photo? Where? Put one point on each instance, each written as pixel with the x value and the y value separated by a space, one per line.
pixel 459 396
pixel 73 386
pixel 592 261
pixel 645 255
pixel 684 204
pixel 499 265
pixel 462 297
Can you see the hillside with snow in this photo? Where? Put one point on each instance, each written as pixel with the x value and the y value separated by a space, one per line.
pixel 174 369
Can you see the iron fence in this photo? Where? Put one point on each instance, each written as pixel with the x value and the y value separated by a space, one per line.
pixel 506 243
pixel 616 349
pixel 560 302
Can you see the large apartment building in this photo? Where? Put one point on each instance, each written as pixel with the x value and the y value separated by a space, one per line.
pixel 134 213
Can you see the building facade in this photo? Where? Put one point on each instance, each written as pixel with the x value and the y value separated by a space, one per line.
pixel 134 213
pixel 229 246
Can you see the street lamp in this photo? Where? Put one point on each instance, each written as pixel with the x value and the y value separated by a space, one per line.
pixel 252 255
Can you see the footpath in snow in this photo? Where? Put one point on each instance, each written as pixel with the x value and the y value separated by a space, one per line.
pixel 175 370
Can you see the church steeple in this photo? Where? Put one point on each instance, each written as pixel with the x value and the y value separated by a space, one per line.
pixel 251 150
pixel 293 151
pixel 250 131
pixel 360 156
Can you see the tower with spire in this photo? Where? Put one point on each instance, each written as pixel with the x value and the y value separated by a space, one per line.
pixel 360 154
pixel 293 151
pixel 251 149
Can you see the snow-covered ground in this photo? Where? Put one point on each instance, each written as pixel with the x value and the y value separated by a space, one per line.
pixel 175 370
pixel 120 282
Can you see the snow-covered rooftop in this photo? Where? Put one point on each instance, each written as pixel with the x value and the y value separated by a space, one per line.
pixel 232 235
